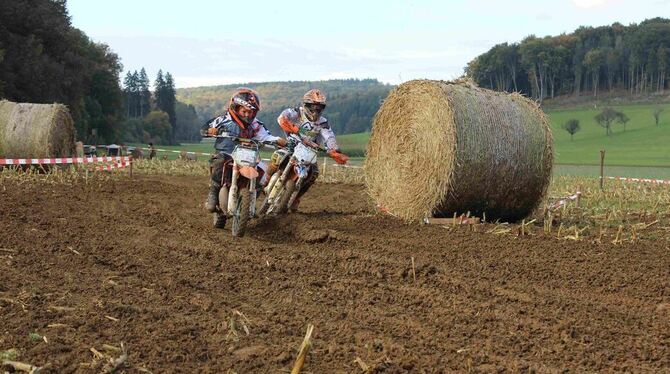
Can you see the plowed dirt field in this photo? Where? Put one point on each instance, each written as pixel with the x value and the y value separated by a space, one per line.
pixel 137 262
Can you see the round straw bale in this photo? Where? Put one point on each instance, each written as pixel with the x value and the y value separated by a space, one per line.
pixel 443 148
pixel 35 130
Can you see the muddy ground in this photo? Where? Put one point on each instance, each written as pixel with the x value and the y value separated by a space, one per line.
pixel 137 262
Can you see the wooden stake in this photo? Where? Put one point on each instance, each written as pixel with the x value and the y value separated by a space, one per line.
pixel 324 164
pixel 579 196
pixel 304 347
pixel 602 170
pixel 560 228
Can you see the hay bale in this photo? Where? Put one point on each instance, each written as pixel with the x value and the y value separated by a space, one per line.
pixel 439 148
pixel 35 130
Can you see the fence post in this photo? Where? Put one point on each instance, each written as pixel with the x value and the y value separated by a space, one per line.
pixel 602 169
pixel 324 165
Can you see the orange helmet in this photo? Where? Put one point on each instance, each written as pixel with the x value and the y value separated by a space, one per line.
pixel 247 98
pixel 314 102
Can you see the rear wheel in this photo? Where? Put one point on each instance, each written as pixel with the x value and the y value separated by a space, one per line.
pixel 241 214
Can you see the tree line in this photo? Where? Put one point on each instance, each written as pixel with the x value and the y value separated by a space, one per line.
pixel 43 59
pixel 634 59
pixel 351 103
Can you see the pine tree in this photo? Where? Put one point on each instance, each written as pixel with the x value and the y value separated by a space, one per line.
pixel 165 98
pixel 144 93
pixel 159 90
pixel 131 91
pixel 170 100
pixel 127 92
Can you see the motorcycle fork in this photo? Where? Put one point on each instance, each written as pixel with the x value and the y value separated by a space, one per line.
pixel 252 194
pixel 282 178
pixel 276 176
pixel 232 192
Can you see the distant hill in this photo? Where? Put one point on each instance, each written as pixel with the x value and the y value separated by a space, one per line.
pixel 351 102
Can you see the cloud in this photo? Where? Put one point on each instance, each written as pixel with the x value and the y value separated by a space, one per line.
pixel 587 4
pixel 201 62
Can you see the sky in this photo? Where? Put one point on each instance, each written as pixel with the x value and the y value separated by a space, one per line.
pixel 212 42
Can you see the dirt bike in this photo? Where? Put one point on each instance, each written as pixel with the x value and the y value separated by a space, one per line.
pixel 237 196
pixel 295 169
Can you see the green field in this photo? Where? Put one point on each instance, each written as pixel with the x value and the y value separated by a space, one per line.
pixel 643 143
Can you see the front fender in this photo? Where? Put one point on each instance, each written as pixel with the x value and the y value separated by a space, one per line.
pixel 301 171
pixel 249 172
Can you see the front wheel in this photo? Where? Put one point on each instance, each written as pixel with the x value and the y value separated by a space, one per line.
pixel 219 220
pixel 241 214
pixel 282 204
pixel 264 206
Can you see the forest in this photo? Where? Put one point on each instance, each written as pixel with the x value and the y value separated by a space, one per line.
pixel 43 59
pixel 628 60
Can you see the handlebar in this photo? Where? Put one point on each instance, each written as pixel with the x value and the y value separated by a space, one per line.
pixel 308 142
pixel 255 142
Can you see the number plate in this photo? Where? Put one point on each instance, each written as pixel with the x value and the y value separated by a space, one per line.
pixel 304 154
pixel 245 156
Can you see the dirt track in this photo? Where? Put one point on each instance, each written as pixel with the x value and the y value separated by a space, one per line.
pixel 138 263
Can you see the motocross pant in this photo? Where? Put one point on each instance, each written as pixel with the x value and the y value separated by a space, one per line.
pixel 216 169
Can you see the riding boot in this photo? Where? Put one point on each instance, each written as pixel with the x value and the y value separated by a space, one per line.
pixel 212 199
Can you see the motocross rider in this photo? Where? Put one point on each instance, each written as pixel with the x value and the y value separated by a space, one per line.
pixel 306 121
pixel 238 121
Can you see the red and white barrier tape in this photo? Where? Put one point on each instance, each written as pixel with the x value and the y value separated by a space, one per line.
pixel 643 180
pixel 63 160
